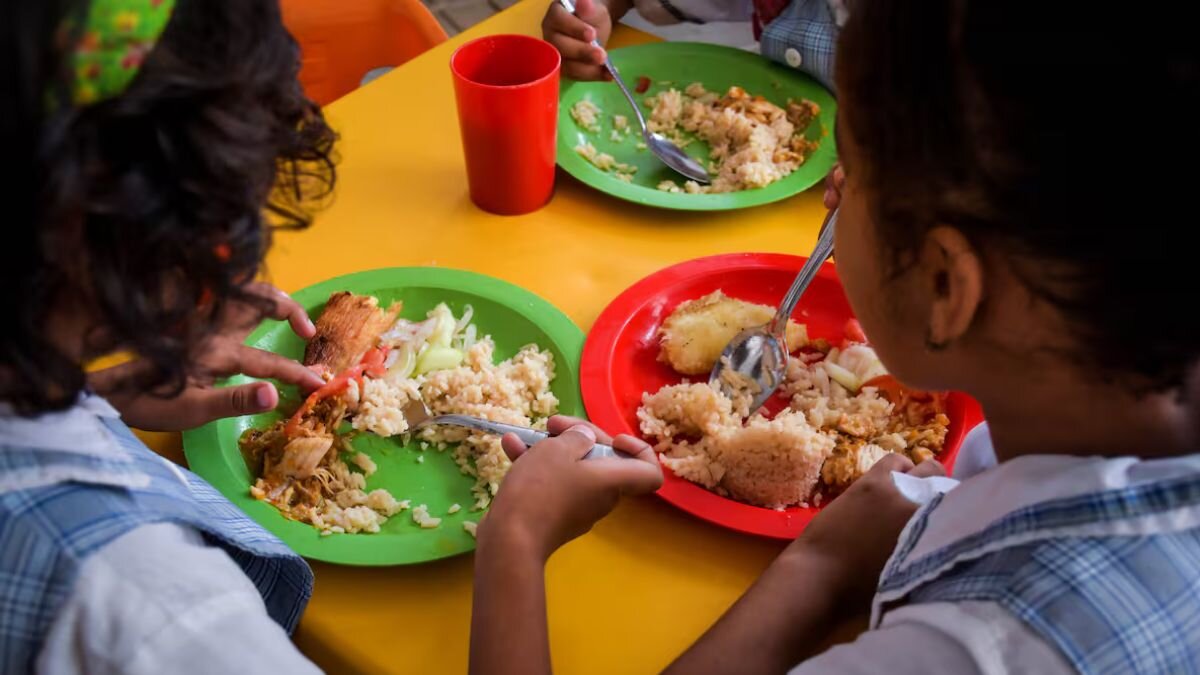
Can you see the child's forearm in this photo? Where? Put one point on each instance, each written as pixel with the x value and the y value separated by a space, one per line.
pixel 508 618
pixel 784 618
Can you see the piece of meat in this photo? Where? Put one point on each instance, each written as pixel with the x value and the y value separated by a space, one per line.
pixel 695 334
pixel 302 456
pixel 802 113
pixel 350 325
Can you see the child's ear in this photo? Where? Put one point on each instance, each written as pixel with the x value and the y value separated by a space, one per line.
pixel 954 271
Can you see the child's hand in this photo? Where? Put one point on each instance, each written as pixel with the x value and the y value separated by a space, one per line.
pixel 834 183
pixel 854 536
pixel 223 355
pixel 552 495
pixel 572 35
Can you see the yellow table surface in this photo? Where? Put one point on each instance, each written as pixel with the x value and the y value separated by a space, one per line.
pixel 649 579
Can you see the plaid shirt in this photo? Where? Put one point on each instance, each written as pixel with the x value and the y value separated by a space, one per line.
pixel 1109 579
pixel 810 28
pixel 78 504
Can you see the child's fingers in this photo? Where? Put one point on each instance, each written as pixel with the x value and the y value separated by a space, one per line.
pixel 589 10
pixel 284 308
pixel 635 448
pixel 576 51
pixel 560 423
pixel 930 467
pixel 196 406
pixel 584 72
pixel 233 401
pixel 559 21
pixel 629 477
pixel 258 363
pixel 576 441
pixel 513 446
pixel 893 461
pixel 834 183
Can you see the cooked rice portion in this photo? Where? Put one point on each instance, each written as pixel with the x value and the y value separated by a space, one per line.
pixel 515 391
pixel 586 114
pixel 691 410
pixel 606 162
pixel 828 437
pixel 420 516
pixel 752 142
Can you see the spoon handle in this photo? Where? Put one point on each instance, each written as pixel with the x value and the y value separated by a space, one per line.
pixel 808 272
pixel 528 436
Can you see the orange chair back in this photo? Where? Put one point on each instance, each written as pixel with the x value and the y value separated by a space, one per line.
pixel 341 40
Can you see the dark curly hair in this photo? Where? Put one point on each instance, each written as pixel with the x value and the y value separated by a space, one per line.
pixel 152 209
pixel 1064 137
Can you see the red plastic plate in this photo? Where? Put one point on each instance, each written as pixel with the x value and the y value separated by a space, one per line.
pixel 620 362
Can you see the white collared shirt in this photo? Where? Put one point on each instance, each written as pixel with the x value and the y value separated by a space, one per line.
pixel 155 600
pixel 981 637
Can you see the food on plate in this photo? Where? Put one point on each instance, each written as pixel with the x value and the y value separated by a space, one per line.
pixel 374 364
pixel 843 413
pixel 606 162
pixel 752 142
pixel 349 326
pixel 586 114
pixel 696 332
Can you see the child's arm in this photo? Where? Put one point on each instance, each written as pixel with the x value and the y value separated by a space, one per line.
pixel 826 575
pixel 550 496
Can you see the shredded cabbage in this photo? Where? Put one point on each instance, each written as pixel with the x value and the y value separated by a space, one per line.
pixel 439 342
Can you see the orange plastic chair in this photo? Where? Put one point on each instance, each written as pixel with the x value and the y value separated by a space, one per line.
pixel 341 40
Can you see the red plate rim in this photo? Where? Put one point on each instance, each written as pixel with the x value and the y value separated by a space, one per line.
pixel 596 378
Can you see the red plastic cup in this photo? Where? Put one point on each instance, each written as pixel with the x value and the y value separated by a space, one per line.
pixel 507 91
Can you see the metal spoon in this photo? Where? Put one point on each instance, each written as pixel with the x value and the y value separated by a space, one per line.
pixel 664 149
pixel 760 355
pixel 418 416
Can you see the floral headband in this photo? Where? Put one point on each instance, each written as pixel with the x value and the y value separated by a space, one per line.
pixel 116 38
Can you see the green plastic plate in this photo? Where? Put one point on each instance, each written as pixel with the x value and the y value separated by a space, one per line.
pixel 680 64
pixel 513 317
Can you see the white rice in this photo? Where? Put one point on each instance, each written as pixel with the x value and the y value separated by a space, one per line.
pixel 777 462
pixel 420 516
pixel 516 391
pixel 586 114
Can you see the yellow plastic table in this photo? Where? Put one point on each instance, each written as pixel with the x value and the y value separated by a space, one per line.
pixel 649 579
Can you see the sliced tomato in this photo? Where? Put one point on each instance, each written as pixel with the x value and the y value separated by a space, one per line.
pixel 887 385
pixel 643 84
pixel 854 332
pixel 371 364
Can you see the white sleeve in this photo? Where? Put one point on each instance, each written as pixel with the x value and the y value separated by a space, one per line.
pixel 968 638
pixel 664 12
pixel 160 600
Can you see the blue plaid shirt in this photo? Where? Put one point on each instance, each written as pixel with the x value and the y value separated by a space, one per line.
pixel 809 28
pixel 57 508
pixel 1110 579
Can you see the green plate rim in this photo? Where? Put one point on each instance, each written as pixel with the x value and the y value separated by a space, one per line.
pixel 204 452
pixel 583 171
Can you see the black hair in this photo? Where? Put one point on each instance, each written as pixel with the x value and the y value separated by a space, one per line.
pixel 1063 136
pixel 153 208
